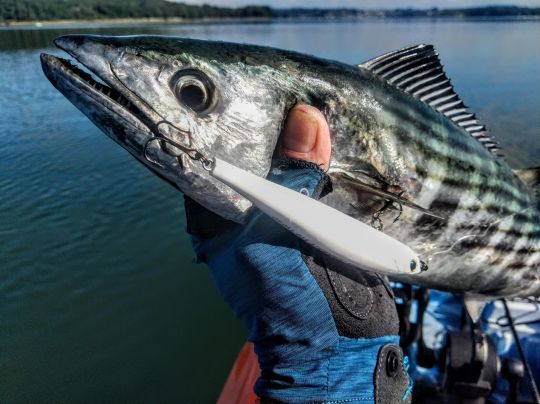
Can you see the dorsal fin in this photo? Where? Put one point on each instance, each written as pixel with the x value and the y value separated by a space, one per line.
pixel 418 71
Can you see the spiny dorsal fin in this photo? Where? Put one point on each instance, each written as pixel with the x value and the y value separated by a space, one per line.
pixel 418 71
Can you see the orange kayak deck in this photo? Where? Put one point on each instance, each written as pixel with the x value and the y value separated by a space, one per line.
pixel 239 385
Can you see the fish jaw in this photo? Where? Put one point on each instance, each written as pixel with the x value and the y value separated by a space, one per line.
pixel 136 104
pixel 115 116
pixel 117 120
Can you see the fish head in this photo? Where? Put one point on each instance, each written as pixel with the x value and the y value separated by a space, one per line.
pixel 160 96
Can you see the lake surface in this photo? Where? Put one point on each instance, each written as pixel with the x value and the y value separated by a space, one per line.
pixel 100 300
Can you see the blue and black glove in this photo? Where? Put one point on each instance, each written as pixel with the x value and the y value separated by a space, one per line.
pixel 319 336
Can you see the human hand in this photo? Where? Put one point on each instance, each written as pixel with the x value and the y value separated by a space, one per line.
pixel 318 335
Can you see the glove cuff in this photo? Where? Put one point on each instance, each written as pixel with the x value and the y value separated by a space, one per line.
pixel 359 370
pixel 298 169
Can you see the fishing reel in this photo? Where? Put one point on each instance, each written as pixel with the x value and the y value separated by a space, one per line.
pixel 467 363
pixel 463 366
pixel 471 365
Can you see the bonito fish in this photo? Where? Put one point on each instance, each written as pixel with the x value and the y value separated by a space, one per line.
pixel 407 155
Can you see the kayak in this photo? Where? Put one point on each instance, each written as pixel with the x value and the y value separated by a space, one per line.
pixel 239 385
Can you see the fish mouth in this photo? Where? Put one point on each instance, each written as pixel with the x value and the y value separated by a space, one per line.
pixel 97 91
pixel 102 103
pixel 103 98
pixel 56 68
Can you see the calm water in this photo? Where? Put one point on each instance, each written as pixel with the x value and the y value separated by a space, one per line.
pixel 100 300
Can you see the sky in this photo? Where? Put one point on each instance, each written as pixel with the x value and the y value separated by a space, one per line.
pixel 365 4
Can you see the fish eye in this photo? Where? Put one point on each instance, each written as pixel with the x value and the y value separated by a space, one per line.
pixel 194 90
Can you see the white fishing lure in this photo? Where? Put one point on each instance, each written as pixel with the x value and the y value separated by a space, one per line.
pixel 325 228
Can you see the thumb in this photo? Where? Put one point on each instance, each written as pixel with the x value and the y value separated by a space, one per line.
pixel 306 136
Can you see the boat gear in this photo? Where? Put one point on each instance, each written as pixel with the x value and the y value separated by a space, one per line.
pixel 527 367
pixel 461 357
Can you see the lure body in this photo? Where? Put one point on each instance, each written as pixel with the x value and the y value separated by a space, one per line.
pixel 340 236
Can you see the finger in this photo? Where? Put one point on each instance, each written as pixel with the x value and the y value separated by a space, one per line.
pixel 306 136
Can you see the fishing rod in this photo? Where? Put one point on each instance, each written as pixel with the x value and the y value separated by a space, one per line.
pixel 532 382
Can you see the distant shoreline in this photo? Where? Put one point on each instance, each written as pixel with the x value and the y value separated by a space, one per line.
pixel 129 21
pixel 236 20
pixel 38 13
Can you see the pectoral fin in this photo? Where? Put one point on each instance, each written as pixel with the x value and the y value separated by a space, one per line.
pixel 363 187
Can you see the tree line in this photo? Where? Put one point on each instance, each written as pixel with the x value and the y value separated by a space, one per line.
pixel 40 10
pixel 350 13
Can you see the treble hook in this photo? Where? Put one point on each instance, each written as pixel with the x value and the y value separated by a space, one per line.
pixel 159 136
pixel 376 221
pixel 165 122
pixel 400 208
pixel 193 154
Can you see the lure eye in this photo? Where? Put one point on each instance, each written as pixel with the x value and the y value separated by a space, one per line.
pixel 194 90
pixel 412 265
